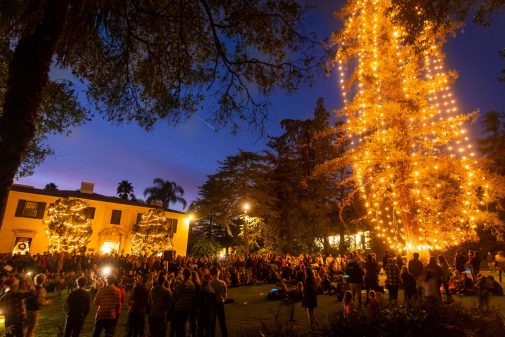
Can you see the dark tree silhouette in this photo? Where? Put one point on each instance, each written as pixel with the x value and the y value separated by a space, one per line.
pixel 125 190
pixel 165 192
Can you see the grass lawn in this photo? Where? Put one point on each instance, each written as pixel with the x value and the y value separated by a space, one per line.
pixel 250 309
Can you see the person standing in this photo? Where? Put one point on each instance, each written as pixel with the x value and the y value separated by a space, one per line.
pixel 371 275
pixel 108 302
pixel 392 279
pixel 459 262
pixel 409 284
pixel 355 279
pixel 196 310
pixel 184 297
pixel 474 262
pixel 206 306
pixel 33 305
pixel 160 300
pixel 14 309
pixel 137 309
pixel 77 309
pixel 445 277
pixel 385 259
pixel 220 291
pixel 416 269
pixel 491 262
pixel 309 301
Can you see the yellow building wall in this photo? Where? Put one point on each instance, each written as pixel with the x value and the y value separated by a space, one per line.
pixel 103 230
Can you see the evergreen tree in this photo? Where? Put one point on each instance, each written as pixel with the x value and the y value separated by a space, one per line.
pixel 68 228
pixel 153 233
pixel 492 146
pixel 412 160
pixel 244 179
pixel 307 196
pixel 241 179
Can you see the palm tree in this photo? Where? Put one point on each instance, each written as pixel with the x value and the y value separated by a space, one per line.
pixel 51 187
pixel 125 190
pixel 166 192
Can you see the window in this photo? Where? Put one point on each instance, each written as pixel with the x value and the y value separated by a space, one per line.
pixel 89 212
pixel 30 209
pixel 115 218
pixel 173 225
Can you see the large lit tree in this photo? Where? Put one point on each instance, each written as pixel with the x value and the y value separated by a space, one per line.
pixel 68 227
pixel 153 233
pixel 412 160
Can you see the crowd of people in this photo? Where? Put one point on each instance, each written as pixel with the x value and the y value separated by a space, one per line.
pixel 186 292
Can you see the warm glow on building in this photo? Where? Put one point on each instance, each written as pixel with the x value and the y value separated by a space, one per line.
pixel 112 220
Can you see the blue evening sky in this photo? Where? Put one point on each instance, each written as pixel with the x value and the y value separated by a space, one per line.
pixel 105 154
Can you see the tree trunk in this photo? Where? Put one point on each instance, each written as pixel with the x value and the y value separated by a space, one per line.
pixel 409 227
pixel 246 236
pixel 341 245
pixel 28 75
pixel 326 242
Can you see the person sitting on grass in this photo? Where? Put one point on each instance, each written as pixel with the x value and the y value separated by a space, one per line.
pixel 326 284
pixel 456 282
pixel 467 286
pixel 494 287
pixel 373 306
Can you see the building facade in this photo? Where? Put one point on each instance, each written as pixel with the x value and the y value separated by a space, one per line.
pixel 23 229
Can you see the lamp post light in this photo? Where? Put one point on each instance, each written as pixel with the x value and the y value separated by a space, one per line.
pixel 246 207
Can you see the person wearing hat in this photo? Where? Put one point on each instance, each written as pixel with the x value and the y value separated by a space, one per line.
pixel 13 307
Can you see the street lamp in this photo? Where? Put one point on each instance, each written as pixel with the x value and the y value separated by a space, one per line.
pixel 246 207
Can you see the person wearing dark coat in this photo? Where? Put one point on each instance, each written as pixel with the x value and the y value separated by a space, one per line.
pixel 355 279
pixel 409 284
pixel 76 309
pixel 371 275
pixel 309 301
pixel 160 300
pixel 137 310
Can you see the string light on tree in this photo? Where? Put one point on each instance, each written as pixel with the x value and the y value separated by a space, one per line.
pixel 412 161
pixel 153 233
pixel 68 227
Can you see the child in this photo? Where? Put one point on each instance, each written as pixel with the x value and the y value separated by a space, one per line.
pixel 348 303
pixel 483 293
pixel 373 306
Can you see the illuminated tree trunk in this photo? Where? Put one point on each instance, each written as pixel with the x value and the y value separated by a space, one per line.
pixel 245 230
